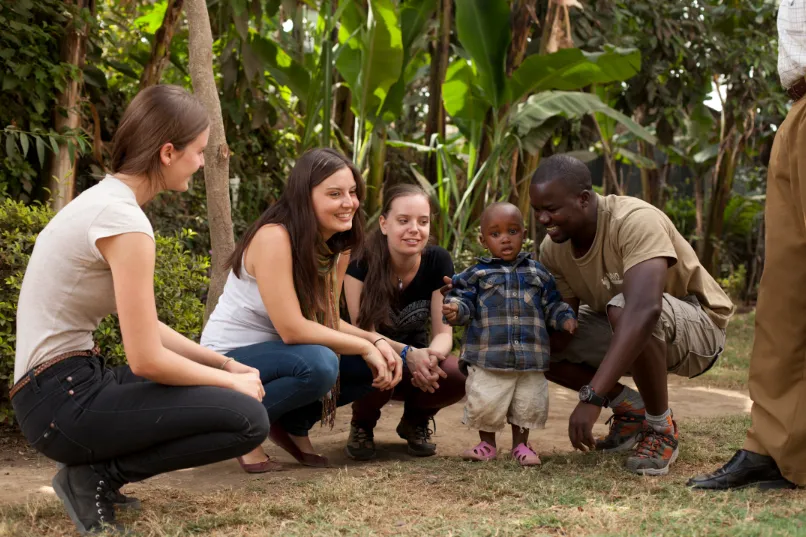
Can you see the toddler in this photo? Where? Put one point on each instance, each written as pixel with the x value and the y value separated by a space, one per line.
pixel 507 299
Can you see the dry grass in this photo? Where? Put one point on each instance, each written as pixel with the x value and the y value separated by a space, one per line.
pixel 572 494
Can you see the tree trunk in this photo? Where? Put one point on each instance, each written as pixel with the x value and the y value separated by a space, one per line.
pixel 161 48
pixel 440 53
pixel 61 179
pixel 377 167
pixel 216 156
pixel 343 118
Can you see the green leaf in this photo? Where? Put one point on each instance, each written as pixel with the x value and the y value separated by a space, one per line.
pixel 706 154
pixel 285 70
pixel 123 68
pixel 95 77
pixel 462 97
pixel 11 146
pixel 637 159
pixel 24 143
pixel 571 69
pixel 40 151
pixel 484 32
pixel 54 144
pixel 542 107
pixel 152 20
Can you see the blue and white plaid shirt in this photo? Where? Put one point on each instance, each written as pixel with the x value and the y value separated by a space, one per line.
pixel 507 305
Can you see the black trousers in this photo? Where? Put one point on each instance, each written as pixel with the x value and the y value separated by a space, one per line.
pixel 80 412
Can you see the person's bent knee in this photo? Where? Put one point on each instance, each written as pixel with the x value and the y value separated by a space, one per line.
pixel 255 425
pixel 322 367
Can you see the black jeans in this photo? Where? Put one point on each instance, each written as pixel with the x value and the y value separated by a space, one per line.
pixel 81 412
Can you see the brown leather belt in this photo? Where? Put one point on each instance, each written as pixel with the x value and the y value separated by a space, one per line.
pixel 43 366
pixel 798 90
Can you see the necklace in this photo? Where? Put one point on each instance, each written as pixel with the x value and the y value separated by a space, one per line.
pixel 399 284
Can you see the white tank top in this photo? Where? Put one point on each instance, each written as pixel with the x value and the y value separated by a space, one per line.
pixel 240 318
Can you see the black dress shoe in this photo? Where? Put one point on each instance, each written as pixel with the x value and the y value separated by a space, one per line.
pixel 745 469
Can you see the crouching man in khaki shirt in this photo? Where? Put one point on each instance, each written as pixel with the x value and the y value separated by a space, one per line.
pixel 646 308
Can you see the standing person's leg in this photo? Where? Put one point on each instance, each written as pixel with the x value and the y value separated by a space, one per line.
pixel 420 407
pixel 489 397
pixel 777 437
pixel 110 431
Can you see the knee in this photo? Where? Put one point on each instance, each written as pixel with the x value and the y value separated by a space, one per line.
pixel 455 382
pixel 256 427
pixel 323 368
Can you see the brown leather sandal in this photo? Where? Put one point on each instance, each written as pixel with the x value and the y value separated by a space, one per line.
pixel 279 436
pixel 260 467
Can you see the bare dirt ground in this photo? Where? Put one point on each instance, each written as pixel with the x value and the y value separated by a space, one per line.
pixel 24 473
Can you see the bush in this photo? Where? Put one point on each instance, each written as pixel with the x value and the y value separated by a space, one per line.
pixel 180 281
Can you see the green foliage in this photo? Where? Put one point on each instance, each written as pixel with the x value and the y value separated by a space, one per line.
pixel 180 281
pixel 31 75
pixel 735 283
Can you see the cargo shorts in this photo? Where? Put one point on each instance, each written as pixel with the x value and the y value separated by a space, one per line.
pixel 693 341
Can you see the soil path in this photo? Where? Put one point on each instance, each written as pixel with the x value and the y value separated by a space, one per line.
pixel 24 473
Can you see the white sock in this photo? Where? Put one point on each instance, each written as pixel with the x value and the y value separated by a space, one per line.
pixel 663 423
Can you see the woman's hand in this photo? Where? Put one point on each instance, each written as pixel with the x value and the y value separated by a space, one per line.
pixel 234 366
pixel 381 371
pixel 425 370
pixel 393 360
pixel 248 384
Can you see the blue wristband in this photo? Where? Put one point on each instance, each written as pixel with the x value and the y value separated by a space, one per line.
pixel 404 352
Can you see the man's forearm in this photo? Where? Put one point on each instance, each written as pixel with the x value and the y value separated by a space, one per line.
pixel 629 340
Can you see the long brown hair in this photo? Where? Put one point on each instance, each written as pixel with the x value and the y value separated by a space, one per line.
pixel 156 116
pixel 379 291
pixel 294 210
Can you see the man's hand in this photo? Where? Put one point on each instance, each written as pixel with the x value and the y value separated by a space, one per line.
pixel 447 287
pixel 570 325
pixel 451 312
pixel 580 426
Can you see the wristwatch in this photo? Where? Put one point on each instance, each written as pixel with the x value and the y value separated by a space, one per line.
pixel 587 395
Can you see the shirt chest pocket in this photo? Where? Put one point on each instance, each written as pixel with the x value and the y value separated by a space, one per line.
pixel 492 291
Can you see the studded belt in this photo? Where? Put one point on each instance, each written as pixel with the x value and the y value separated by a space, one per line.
pixel 44 366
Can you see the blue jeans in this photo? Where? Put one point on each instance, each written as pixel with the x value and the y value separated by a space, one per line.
pixel 296 377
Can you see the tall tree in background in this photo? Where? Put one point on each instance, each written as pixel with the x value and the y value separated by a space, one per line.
pixel 216 156
pixel 440 55
pixel 161 47
pixel 66 116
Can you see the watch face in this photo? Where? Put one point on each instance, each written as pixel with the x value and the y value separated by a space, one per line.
pixel 585 393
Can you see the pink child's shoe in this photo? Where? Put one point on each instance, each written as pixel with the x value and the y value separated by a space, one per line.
pixel 525 455
pixel 482 452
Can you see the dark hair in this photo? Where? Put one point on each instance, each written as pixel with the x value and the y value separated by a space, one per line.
pixel 571 171
pixel 294 210
pixel 156 116
pixel 379 291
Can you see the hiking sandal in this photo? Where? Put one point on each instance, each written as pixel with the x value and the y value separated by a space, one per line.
pixel 481 453
pixel 525 455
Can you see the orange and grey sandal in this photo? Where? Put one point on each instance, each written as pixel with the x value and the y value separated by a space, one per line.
pixel 481 453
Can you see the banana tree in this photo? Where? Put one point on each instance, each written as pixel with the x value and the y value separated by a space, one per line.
pixel 525 108
pixel 379 48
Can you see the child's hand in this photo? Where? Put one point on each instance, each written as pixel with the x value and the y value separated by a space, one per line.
pixel 570 325
pixel 451 312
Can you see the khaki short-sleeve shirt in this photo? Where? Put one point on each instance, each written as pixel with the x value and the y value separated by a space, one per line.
pixel 628 232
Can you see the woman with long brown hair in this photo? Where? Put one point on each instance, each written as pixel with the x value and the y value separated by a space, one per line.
pixel 392 290
pixel 279 310
pixel 176 405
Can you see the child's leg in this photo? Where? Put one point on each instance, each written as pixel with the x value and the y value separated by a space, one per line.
pixel 529 410
pixel 489 395
pixel 520 435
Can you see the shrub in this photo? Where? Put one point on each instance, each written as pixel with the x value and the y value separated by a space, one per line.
pixel 180 281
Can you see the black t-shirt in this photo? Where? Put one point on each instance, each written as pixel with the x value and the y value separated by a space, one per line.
pixel 411 314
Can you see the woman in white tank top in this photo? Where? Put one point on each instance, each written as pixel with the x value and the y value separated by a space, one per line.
pixel 279 311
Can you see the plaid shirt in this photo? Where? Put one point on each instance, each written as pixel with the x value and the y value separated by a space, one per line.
pixel 507 305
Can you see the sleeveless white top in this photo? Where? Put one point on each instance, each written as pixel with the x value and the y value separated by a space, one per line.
pixel 240 318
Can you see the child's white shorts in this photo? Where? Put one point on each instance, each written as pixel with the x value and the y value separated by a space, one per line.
pixel 495 398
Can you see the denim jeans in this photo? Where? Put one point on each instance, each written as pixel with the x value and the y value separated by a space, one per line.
pixel 80 412
pixel 296 377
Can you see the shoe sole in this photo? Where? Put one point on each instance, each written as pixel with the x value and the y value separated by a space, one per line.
pixel 658 471
pixel 420 454
pixel 776 484
pixel 353 457
pixel 68 505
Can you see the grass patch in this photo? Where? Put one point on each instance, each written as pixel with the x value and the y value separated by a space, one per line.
pixel 572 494
pixel 731 369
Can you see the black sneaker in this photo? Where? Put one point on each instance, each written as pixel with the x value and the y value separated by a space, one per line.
pixel 419 437
pixel 361 445
pixel 87 497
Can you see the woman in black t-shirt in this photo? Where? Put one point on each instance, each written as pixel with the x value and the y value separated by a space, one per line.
pixel 392 288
